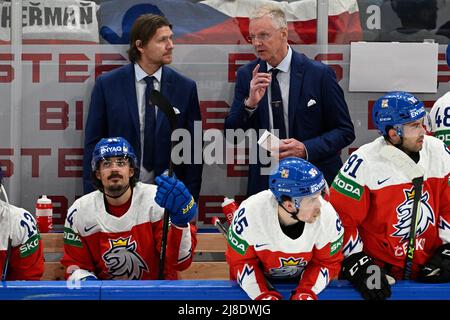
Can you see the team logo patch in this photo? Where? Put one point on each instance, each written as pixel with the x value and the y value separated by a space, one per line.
pixel 288 268
pixel 122 260
pixel 404 213
pixel 313 172
pixel 30 246
pixel 336 245
pixel 285 173
pixel 347 187
pixel 384 103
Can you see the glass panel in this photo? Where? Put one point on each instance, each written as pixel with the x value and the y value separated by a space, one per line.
pixel 405 20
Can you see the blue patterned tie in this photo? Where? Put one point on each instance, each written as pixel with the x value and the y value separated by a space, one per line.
pixel 149 129
pixel 277 105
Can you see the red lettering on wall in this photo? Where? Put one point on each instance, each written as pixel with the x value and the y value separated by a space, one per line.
pixel 324 57
pixel 60 207
pixel 213 114
pixel 64 163
pixel 6 71
pixel 65 68
pixel 239 167
pixel 211 206
pixel 443 68
pixel 233 64
pixel 60 115
pixel 100 67
pixel 35 59
pixel 35 153
pixel 79 115
pixel 7 165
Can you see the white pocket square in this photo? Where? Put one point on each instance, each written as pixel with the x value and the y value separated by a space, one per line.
pixel 311 103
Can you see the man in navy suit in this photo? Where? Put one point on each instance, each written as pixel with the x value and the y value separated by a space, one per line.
pixel 120 105
pixel 310 113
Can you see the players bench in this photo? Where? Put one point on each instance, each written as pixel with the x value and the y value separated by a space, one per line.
pixel 209 260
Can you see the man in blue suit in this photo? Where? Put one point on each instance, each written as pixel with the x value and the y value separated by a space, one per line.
pixel 120 105
pixel 304 102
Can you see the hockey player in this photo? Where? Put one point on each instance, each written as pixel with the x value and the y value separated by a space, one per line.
pixel 374 195
pixel 21 255
pixel 288 232
pixel 115 231
pixel 439 120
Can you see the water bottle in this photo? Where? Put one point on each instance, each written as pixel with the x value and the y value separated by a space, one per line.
pixel 44 213
pixel 229 206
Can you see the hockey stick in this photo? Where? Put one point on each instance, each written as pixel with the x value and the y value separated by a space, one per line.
pixel 159 100
pixel 414 173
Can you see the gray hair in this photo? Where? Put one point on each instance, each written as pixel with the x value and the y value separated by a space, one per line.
pixel 273 11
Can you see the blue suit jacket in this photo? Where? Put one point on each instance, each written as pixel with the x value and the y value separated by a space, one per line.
pixel 113 111
pixel 325 127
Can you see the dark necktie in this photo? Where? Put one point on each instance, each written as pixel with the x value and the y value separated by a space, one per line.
pixel 149 129
pixel 277 105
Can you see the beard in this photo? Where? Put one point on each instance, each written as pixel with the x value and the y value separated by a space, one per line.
pixel 116 188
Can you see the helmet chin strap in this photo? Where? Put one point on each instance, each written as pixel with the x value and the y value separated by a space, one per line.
pixel 292 213
pixel 115 197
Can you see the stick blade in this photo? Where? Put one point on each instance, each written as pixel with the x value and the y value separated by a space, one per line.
pixel 406 165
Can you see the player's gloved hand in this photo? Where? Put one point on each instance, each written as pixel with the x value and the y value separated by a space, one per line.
pixel 269 295
pixel 173 195
pixel 300 294
pixel 437 269
pixel 355 269
pixel 89 278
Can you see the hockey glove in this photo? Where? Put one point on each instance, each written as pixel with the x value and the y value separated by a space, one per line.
pixel 270 295
pixel 173 195
pixel 437 269
pixel 303 295
pixel 355 269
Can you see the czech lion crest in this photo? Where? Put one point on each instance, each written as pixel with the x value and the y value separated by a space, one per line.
pixel 122 260
pixel 404 214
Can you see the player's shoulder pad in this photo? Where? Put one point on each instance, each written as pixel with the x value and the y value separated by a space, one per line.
pixel 353 175
pixel 332 230
pixel 24 233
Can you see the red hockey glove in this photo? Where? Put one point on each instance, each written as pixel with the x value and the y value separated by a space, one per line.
pixel 269 295
pixel 303 295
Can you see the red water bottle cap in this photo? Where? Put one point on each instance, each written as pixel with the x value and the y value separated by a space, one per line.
pixel 227 201
pixel 229 206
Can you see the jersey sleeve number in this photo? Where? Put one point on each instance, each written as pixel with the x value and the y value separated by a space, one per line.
pixel 240 222
pixel 352 165
pixel 445 120
pixel 28 224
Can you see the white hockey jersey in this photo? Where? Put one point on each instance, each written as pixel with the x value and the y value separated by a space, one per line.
pixel 374 200
pixel 27 258
pixel 257 247
pixel 440 118
pixel 127 247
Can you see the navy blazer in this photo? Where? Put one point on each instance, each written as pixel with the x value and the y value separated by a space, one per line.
pixel 324 127
pixel 113 111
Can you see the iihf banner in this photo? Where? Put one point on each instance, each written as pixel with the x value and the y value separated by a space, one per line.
pixel 49 21
pixel 55 84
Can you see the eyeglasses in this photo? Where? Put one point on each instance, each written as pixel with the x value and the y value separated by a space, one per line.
pixel 262 36
pixel 119 162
